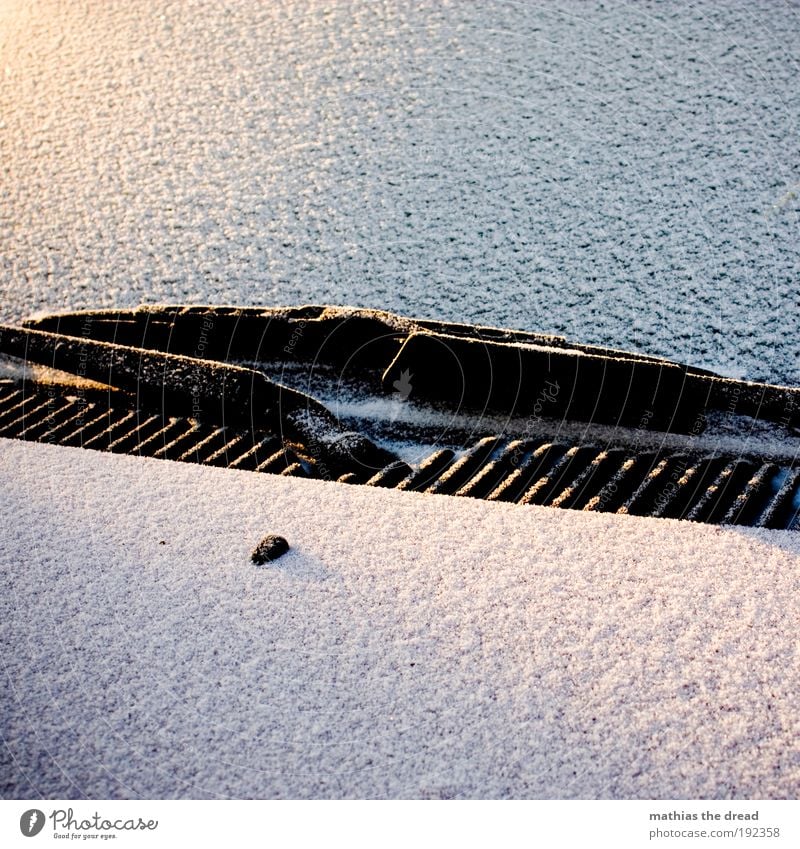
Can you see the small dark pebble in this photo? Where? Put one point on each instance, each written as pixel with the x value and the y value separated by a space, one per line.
pixel 269 549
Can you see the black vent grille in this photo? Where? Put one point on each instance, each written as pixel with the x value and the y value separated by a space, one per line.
pixel 669 483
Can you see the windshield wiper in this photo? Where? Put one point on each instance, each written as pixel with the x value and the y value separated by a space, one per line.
pixel 207 390
pixel 190 356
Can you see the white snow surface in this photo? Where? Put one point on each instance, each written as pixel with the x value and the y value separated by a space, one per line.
pixel 622 173
pixel 407 646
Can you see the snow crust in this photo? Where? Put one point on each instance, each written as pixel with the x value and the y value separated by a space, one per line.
pixel 408 645
pixel 623 174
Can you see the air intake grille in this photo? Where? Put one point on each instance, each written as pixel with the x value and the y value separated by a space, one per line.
pixel 670 484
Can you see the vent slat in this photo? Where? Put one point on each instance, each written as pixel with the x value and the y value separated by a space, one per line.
pixel 494 471
pixel 96 421
pixel 220 456
pixel 720 495
pixel 76 418
pixel 752 500
pixel 390 476
pixel 462 470
pixel 12 410
pixel 781 508
pixel 560 476
pixel 42 424
pixel 214 439
pixel 118 424
pixel 9 398
pixel 656 486
pixel 429 470
pixel 529 470
pixel 251 458
pixel 622 484
pixel 192 433
pixel 596 475
pixel 159 439
pixel 147 425
pixel 277 462
pixel 24 412
pixel 681 495
pixel 714 489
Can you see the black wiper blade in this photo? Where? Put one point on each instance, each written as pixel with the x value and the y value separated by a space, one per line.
pixel 208 390
pixel 617 388
pixel 457 366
